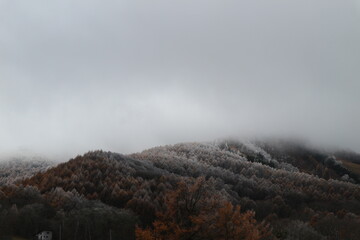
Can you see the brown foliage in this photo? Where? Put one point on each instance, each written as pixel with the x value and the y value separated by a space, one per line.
pixel 193 211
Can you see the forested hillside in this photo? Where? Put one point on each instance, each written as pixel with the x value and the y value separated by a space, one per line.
pixel 17 168
pixel 223 190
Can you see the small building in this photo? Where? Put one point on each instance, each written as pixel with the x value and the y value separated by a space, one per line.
pixel 44 235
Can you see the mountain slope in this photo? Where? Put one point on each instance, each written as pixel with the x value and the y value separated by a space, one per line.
pixel 18 168
pixel 274 180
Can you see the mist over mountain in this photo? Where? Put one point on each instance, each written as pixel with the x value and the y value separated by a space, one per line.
pixel 14 168
pixel 141 88
pixel 132 75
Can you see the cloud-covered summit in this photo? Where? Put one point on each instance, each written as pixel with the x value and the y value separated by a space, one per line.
pixel 127 75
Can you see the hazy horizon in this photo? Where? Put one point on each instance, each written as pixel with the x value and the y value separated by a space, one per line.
pixel 129 75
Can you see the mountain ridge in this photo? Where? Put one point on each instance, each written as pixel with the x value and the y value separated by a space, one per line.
pixel 267 179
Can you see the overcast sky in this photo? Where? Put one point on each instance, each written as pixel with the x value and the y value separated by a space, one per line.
pixel 128 75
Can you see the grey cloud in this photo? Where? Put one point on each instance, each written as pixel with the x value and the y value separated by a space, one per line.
pixel 126 75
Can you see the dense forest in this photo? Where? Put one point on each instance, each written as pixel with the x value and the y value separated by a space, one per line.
pixel 222 190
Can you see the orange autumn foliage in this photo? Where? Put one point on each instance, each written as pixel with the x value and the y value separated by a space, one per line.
pixel 194 212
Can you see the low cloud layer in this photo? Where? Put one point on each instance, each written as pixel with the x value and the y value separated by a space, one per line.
pixel 127 75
